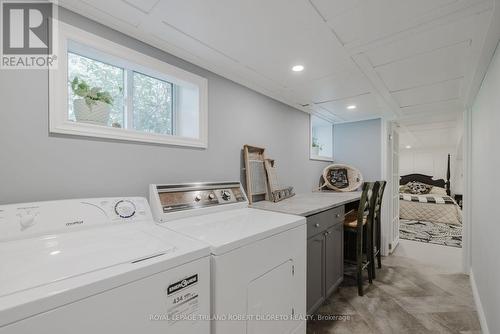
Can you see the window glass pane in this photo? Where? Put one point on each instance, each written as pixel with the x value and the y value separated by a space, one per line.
pixel 100 81
pixel 152 105
pixel 321 138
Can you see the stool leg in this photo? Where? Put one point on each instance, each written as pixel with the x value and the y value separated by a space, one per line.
pixel 379 243
pixel 372 265
pixel 372 253
pixel 359 262
pixel 369 251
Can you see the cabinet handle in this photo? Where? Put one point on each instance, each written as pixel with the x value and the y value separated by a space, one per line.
pixel 317 225
pixel 337 215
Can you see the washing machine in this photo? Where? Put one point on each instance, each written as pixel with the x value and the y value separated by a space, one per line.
pixel 258 258
pixel 99 266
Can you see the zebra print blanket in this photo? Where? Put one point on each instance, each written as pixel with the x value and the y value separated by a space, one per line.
pixel 437 199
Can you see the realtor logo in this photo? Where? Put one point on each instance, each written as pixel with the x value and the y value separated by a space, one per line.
pixel 27 34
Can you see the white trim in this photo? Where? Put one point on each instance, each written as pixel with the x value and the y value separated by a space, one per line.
pixel 479 306
pixel 467 199
pixel 58 122
pixel 385 175
pixel 311 155
pixel 320 158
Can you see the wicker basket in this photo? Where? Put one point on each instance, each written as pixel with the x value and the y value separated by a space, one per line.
pixel 96 113
pixel 354 177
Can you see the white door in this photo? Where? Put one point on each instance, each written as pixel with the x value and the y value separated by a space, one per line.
pixel 270 295
pixel 394 166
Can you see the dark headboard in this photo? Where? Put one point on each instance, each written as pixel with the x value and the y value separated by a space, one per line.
pixel 427 179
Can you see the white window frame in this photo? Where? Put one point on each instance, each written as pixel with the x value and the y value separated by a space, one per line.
pixel 58 91
pixel 311 155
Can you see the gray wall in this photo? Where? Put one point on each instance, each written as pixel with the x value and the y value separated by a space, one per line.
pixel 35 166
pixel 485 222
pixel 360 144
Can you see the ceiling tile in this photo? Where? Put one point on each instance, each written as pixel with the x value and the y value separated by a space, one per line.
pixel 267 36
pixel 431 39
pixel 442 91
pixel 367 106
pixel 118 10
pixel 454 106
pixel 332 87
pixel 439 65
pixel 327 115
pixel 378 18
pixel 143 5
pixel 419 119
pixel 329 9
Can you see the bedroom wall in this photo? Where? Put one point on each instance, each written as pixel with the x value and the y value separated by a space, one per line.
pixel 432 161
pixel 360 144
pixel 485 164
pixel 36 166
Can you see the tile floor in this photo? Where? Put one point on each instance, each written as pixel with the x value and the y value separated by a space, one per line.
pixel 406 297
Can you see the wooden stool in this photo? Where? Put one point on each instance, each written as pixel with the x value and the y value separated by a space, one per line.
pixel 377 229
pixel 360 224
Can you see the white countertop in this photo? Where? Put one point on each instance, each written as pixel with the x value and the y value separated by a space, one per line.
pixel 306 204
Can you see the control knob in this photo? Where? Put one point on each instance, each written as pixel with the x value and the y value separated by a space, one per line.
pixel 211 196
pixel 197 198
pixel 226 195
pixel 125 209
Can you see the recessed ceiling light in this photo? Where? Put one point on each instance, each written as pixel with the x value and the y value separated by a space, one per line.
pixel 351 107
pixel 298 68
pixel 408 147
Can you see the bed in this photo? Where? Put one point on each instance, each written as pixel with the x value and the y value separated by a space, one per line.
pixel 436 207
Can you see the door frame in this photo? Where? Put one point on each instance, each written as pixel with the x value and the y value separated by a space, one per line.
pixel 467 200
pixel 388 129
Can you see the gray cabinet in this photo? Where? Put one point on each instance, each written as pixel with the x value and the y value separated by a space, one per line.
pixel 315 271
pixel 334 258
pixel 325 258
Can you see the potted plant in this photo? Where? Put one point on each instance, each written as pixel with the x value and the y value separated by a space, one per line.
pixel 316 147
pixel 94 105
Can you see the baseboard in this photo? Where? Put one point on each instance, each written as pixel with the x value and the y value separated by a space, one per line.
pixel 479 306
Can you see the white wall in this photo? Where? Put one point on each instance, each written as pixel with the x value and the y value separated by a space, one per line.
pixel 360 144
pixel 38 166
pixel 485 167
pixel 432 161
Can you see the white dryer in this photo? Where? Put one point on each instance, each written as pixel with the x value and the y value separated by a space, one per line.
pixel 258 257
pixel 99 266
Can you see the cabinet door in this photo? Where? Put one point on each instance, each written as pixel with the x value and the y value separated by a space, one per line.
pixel 315 272
pixel 334 258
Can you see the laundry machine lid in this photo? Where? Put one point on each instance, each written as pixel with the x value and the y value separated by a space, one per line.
pixel 231 229
pixel 42 273
pixel 54 253
pixel 29 263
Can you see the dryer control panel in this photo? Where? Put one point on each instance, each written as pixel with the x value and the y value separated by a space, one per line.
pixel 166 199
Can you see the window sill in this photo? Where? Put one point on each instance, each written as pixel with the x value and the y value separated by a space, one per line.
pixel 320 158
pixel 97 131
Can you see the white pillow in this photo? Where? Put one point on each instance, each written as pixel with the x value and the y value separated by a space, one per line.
pixel 438 191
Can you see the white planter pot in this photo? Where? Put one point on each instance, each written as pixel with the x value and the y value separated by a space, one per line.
pixel 96 113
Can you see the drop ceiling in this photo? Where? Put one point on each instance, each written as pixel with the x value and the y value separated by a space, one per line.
pixel 410 60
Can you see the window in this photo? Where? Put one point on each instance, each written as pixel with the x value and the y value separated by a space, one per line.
pixel 153 111
pixel 97 74
pixel 321 146
pixel 102 89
